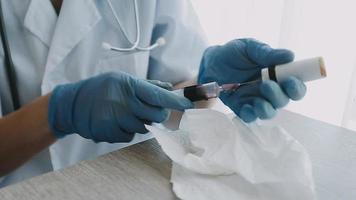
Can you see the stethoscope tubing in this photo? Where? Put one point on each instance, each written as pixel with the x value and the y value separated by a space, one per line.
pixel 134 45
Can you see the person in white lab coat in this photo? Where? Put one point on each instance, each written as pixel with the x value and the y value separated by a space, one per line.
pixel 55 44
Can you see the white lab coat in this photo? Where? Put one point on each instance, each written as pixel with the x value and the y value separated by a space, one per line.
pixel 49 50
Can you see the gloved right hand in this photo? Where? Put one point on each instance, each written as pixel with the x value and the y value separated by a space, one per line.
pixel 241 61
pixel 110 108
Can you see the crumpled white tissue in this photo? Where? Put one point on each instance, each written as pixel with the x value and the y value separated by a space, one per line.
pixel 217 156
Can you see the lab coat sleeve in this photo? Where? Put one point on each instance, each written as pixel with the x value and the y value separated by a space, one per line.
pixel 2 66
pixel 179 59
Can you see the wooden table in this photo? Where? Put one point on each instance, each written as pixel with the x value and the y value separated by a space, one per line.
pixel 142 171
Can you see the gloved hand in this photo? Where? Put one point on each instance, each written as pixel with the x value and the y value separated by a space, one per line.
pixel 110 107
pixel 242 60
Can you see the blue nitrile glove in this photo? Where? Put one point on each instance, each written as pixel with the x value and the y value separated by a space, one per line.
pixel 111 107
pixel 242 60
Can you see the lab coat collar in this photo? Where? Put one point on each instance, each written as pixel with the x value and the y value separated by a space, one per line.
pixel 40 20
pixel 76 19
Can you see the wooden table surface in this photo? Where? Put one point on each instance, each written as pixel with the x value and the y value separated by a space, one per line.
pixel 142 171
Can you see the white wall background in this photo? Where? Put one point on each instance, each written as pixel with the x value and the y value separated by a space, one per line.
pixel 308 27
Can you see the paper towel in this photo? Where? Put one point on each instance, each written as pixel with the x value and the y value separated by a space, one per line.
pixel 216 156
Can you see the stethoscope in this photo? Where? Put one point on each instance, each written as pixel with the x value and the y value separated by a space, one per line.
pixel 135 45
pixel 9 65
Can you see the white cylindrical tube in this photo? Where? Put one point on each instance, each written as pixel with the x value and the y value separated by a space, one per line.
pixel 305 70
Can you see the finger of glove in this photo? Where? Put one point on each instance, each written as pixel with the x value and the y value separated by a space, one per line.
pixel 272 92
pixel 156 96
pixel 244 95
pixel 263 109
pixel 240 106
pixel 121 136
pixel 131 123
pixel 294 88
pixel 265 56
pixel 164 85
pixel 147 112
pixel 109 132
pixel 247 113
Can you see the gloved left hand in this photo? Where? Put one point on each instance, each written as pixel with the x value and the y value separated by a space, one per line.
pixel 242 60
